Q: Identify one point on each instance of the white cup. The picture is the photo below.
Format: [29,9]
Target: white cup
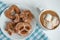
[41,11]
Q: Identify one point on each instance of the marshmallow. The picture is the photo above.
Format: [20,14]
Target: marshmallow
[48,17]
[49,25]
[55,21]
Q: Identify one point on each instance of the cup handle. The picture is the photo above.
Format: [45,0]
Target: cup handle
[40,10]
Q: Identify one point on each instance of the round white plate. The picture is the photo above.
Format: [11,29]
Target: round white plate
[4,19]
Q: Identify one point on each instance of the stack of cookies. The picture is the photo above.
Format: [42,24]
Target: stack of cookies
[20,21]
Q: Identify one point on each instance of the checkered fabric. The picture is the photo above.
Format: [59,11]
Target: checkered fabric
[38,33]
[2,36]
[3,6]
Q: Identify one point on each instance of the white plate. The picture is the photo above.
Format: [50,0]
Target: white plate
[4,19]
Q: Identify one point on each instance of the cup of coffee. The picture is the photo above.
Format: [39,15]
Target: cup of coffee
[49,19]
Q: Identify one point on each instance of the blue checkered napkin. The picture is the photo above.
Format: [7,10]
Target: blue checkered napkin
[38,34]
[3,6]
[2,36]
